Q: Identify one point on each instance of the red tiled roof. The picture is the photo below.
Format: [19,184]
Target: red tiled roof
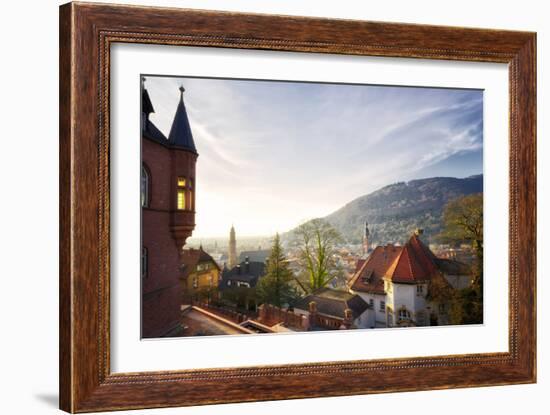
[407,264]
[359,264]
[369,276]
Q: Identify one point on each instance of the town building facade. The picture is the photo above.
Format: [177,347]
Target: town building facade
[396,281]
[329,309]
[167,215]
[201,276]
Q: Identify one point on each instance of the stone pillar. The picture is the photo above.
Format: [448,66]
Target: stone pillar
[261,312]
[348,319]
[312,313]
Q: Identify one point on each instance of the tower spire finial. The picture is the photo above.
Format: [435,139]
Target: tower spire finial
[182,90]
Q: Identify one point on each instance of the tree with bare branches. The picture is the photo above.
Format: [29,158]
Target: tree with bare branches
[317,241]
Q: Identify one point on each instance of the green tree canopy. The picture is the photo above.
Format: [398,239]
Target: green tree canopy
[317,241]
[463,222]
[275,287]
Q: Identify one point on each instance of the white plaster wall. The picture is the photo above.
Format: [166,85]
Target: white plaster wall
[403,295]
[378,317]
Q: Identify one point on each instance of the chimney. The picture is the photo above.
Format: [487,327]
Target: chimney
[247,264]
[418,231]
[239,269]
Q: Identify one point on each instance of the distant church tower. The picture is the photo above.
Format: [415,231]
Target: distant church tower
[366,239]
[232,248]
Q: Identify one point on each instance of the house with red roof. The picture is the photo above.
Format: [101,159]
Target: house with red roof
[396,282]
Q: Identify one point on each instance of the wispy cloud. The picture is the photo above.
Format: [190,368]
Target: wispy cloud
[274,153]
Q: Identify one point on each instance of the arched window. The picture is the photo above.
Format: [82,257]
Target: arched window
[145,186]
[404,314]
[144,263]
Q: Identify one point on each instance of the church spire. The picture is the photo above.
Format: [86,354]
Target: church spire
[180,134]
[232,248]
[366,242]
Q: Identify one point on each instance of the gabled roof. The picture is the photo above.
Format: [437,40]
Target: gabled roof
[259,255]
[245,272]
[151,132]
[369,277]
[411,263]
[180,134]
[190,258]
[334,303]
[359,264]
[148,129]
[415,263]
[146,104]
[453,267]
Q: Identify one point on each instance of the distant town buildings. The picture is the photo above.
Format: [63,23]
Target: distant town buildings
[187,292]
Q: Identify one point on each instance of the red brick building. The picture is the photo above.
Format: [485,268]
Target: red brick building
[167,216]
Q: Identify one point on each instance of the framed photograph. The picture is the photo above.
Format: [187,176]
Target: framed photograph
[259,207]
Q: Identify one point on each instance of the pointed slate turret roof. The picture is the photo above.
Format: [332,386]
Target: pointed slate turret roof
[180,134]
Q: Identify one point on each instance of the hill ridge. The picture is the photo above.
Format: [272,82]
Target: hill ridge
[395,210]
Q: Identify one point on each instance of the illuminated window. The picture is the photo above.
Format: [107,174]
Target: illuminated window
[144,187]
[181,199]
[191,205]
[185,194]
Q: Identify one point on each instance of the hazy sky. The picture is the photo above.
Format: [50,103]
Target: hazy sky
[273,154]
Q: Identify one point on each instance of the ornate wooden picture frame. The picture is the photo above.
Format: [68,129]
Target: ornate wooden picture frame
[87,32]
